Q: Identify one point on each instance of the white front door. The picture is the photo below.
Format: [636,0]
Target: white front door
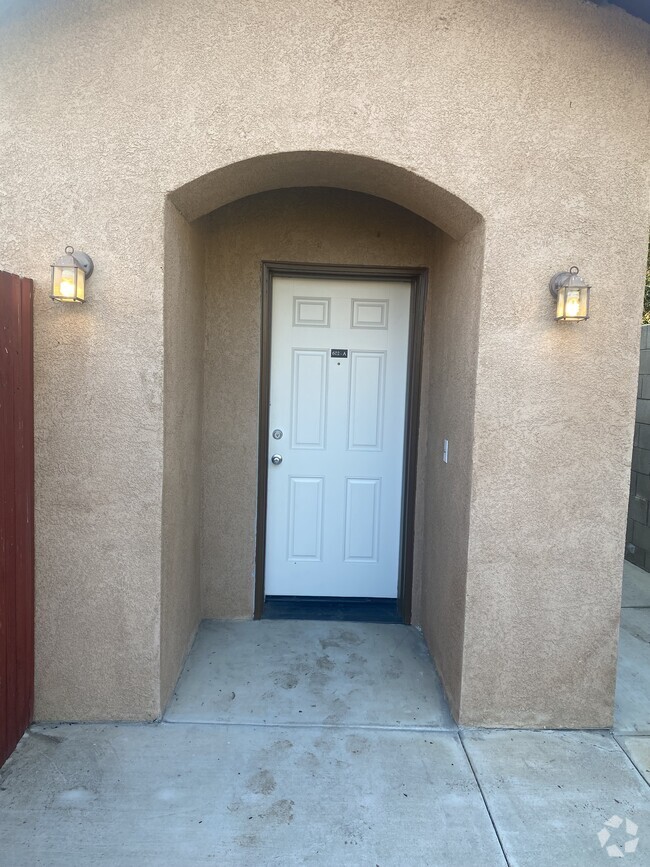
[339,355]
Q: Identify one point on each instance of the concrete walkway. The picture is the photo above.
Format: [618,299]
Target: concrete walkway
[633,676]
[293,742]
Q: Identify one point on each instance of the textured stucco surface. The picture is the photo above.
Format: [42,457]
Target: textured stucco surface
[183,413]
[306,225]
[445,488]
[317,169]
[468,99]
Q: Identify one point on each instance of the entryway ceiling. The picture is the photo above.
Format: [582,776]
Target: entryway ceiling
[640,8]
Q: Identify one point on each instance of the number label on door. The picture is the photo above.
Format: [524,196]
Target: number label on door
[339,353]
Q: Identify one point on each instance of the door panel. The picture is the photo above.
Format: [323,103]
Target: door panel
[308,399]
[305,519]
[339,354]
[362,505]
[366,400]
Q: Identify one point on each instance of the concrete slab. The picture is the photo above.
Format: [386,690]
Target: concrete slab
[638,749]
[636,587]
[301,672]
[550,793]
[632,713]
[138,795]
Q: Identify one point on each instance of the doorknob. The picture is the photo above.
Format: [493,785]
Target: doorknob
[276,459]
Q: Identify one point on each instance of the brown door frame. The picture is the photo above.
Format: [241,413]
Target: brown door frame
[418,277]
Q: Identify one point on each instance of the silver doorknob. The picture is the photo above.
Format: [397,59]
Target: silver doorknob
[276,459]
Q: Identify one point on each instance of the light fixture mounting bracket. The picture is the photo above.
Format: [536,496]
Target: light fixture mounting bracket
[83,260]
[558,280]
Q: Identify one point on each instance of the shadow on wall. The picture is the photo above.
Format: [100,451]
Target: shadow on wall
[637,538]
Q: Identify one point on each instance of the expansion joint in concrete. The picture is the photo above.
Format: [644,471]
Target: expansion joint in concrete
[621,745]
[485,802]
[314,725]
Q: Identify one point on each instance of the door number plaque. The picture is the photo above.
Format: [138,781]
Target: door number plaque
[339,353]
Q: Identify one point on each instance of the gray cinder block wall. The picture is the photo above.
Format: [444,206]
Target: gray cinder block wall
[637,541]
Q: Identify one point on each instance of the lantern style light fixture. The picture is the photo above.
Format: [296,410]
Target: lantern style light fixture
[69,275]
[572,295]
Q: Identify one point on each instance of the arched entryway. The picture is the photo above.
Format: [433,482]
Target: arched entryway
[315,208]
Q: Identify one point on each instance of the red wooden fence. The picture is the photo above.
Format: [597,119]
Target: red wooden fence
[16,511]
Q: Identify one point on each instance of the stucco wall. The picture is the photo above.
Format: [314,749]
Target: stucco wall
[468,98]
[446,493]
[553,430]
[183,413]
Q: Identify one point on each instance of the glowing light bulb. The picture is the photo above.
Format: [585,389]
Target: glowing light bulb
[66,288]
[572,305]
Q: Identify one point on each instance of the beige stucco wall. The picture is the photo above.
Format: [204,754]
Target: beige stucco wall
[182,472]
[445,495]
[467,98]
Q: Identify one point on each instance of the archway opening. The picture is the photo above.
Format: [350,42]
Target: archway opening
[335,209]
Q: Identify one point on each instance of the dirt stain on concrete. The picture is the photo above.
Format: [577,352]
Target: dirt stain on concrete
[309,762]
[325,663]
[285,679]
[280,812]
[262,783]
[247,841]
[356,744]
[348,637]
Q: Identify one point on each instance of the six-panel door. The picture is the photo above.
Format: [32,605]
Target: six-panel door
[339,351]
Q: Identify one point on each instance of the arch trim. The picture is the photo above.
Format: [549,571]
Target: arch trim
[361,174]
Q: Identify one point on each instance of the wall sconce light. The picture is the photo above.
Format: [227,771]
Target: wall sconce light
[572,295]
[69,275]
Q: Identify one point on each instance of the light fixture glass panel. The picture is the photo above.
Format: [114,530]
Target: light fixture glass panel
[81,285]
[572,305]
[68,283]
[67,288]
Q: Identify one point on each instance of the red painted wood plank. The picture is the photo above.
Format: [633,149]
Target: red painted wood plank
[4,325]
[7,308]
[24,518]
[5,494]
[12,548]
[19,530]
[27,288]
[16,511]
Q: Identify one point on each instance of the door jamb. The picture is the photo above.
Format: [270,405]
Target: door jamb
[418,277]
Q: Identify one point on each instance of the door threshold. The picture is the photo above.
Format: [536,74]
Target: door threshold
[359,609]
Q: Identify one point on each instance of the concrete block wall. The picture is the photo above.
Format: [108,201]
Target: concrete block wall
[637,541]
